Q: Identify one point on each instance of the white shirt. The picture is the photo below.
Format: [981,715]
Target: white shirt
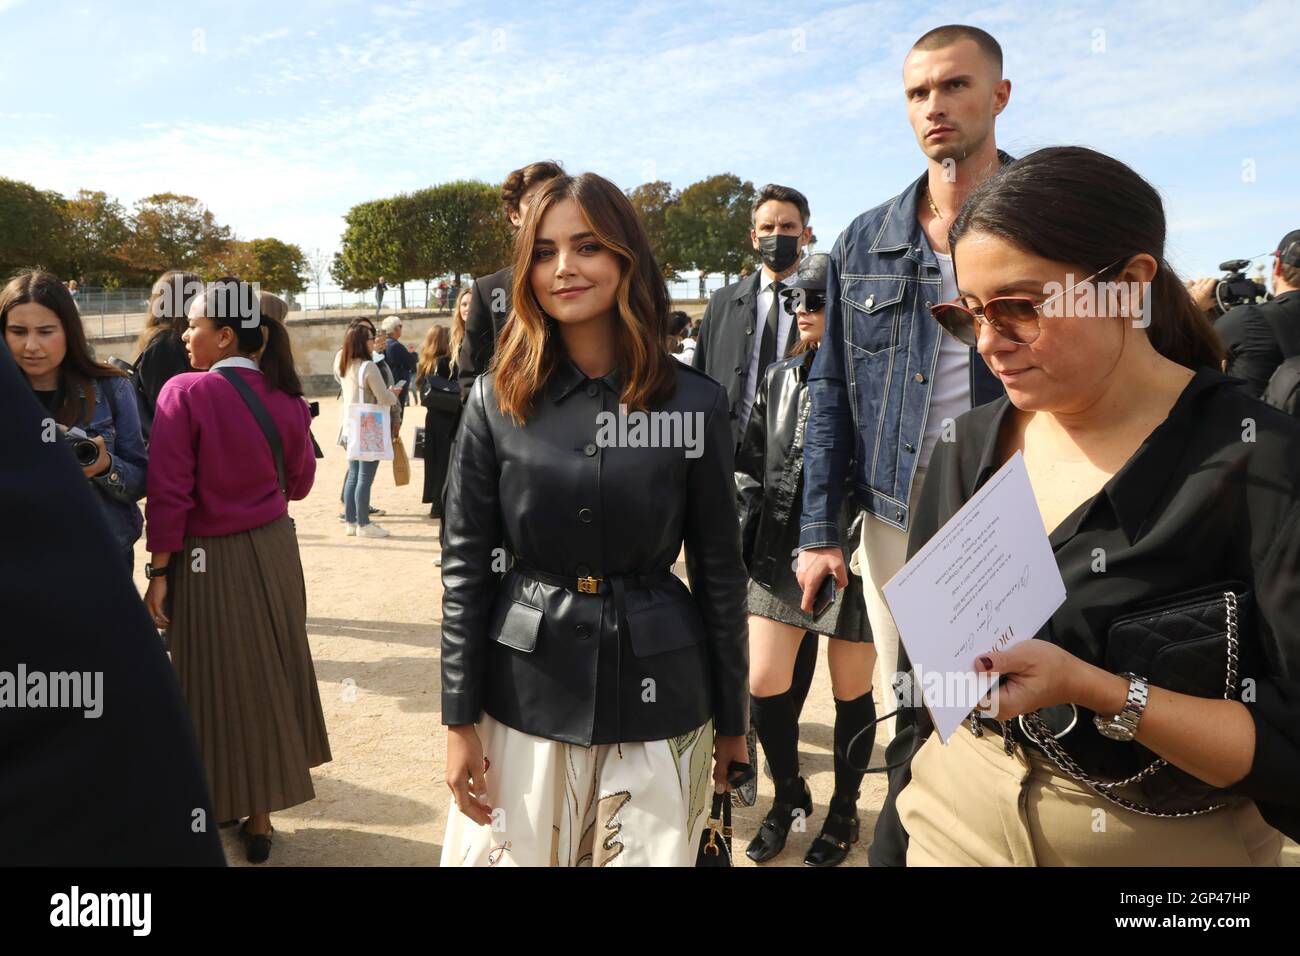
[235,361]
[783,321]
[950,390]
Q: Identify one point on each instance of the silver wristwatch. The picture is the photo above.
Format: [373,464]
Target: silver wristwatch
[1124,725]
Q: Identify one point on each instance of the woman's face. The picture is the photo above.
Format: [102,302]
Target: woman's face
[574,277]
[811,324]
[1081,337]
[206,343]
[36,338]
[462,307]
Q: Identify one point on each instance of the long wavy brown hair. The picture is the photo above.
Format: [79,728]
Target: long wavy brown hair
[531,347]
[79,373]
[169,303]
[437,343]
[458,327]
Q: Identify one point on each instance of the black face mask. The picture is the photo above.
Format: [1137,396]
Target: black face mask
[779,252]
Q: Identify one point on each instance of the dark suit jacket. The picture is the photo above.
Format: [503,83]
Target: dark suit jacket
[489,307]
[727,342]
[121,789]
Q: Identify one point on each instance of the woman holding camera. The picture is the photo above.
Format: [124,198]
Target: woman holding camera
[1161,700]
[92,407]
[230,450]
[769,483]
[583,691]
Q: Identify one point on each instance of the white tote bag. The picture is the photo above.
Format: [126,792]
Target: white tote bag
[370,431]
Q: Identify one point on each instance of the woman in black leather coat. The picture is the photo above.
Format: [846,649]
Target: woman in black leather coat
[769,483]
[584,688]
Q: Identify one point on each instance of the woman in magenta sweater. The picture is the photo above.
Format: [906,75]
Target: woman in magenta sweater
[226,578]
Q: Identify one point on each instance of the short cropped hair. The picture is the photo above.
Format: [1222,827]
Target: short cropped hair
[940,37]
[523,179]
[780,194]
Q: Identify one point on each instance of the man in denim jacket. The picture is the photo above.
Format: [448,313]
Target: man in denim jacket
[887,383]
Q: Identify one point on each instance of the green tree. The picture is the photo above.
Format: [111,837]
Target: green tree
[279,266]
[652,201]
[468,233]
[33,229]
[372,245]
[175,232]
[98,230]
[710,224]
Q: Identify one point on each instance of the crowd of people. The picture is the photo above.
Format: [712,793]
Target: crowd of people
[833,411]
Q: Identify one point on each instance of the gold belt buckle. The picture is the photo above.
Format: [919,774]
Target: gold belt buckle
[589,585]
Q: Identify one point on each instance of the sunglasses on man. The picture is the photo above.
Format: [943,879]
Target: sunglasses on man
[1014,317]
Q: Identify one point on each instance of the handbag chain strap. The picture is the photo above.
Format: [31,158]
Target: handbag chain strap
[1043,737]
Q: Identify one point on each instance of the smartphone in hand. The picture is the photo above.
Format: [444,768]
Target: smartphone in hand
[825,596]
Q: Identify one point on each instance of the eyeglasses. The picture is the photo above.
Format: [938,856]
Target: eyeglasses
[1013,317]
[803,300]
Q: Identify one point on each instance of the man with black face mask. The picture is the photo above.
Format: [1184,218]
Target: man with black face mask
[744,328]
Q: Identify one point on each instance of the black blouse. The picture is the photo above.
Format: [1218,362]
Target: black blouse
[1210,498]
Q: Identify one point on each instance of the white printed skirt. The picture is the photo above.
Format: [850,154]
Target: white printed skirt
[557,804]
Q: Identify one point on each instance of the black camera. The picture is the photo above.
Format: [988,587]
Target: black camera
[83,449]
[1235,288]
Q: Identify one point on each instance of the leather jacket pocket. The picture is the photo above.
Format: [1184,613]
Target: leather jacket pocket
[520,627]
[659,621]
[871,313]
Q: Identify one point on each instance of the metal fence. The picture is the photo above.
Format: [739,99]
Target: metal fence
[108,313]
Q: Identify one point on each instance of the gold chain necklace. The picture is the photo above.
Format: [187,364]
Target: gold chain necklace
[933,208]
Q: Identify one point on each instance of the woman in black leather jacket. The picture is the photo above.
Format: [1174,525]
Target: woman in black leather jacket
[584,688]
[769,483]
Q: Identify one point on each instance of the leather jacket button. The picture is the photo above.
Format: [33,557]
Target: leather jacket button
[582,631]
[593,389]
[589,450]
[749,331]
[918,377]
[584,515]
[739,370]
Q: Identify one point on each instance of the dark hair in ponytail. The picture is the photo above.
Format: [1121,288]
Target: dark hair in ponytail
[276,361]
[1072,204]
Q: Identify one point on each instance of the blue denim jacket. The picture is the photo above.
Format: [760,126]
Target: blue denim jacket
[870,382]
[123,484]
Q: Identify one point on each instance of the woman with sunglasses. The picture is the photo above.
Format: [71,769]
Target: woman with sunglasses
[769,485]
[1152,720]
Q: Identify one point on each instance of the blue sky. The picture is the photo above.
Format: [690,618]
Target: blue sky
[280,116]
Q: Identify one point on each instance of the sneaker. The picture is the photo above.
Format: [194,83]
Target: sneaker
[371,530]
[352,531]
[377,512]
[342,516]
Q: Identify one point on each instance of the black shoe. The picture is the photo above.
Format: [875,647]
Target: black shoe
[257,846]
[227,824]
[792,796]
[839,832]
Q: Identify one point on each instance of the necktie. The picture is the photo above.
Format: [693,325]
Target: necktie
[767,347]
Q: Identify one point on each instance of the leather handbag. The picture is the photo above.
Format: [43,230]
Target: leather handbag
[715,841]
[440,394]
[1188,643]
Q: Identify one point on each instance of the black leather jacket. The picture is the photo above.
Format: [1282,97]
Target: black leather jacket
[534,651]
[769,474]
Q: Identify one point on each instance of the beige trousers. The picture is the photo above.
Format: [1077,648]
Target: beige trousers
[880,554]
[970,804]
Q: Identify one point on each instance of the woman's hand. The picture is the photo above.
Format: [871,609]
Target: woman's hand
[155,597]
[814,565]
[1037,674]
[727,750]
[100,464]
[467,773]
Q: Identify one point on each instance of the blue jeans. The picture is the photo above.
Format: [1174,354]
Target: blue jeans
[356,491]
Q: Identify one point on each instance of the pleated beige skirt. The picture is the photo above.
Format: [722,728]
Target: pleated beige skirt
[238,640]
[970,804]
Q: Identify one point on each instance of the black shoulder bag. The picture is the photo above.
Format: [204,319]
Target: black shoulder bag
[264,421]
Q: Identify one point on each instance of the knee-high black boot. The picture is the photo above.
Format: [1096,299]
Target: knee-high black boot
[778,732]
[855,735]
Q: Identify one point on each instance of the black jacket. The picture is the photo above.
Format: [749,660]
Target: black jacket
[727,343]
[553,662]
[126,787]
[163,358]
[769,473]
[489,307]
[1260,337]
[1194,507]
